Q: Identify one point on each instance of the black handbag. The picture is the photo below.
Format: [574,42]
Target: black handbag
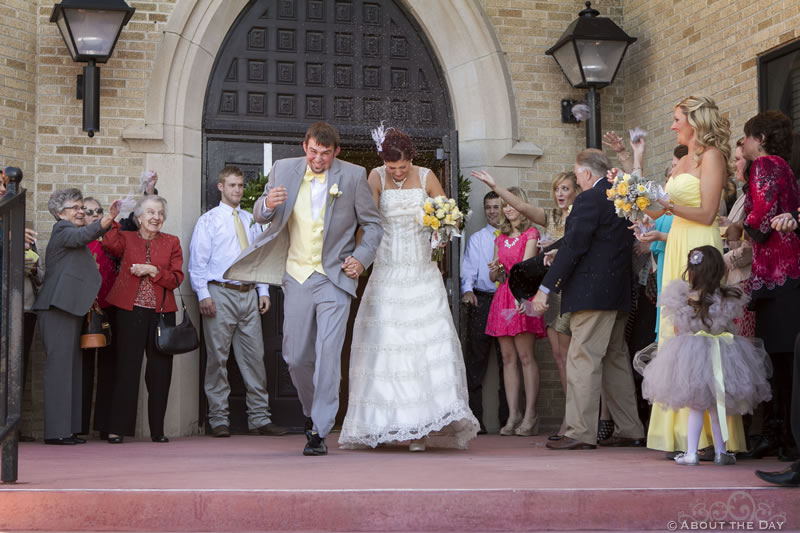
[526,276]
[173,340]
[96,330]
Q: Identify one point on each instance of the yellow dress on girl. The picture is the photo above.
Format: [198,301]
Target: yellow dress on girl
[668,428]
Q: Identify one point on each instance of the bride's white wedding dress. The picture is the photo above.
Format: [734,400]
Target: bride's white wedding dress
[407,375]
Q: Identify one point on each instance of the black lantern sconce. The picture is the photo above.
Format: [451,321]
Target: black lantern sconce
[589,54]
[90,29]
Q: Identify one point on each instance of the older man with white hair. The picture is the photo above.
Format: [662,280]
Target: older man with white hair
[592,270]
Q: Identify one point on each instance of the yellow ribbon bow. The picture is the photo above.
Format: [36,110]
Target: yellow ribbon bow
[719,378]
[309,175]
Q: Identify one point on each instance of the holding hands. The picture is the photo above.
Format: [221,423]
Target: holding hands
[352,267]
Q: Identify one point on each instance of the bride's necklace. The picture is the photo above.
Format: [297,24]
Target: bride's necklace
[400,183]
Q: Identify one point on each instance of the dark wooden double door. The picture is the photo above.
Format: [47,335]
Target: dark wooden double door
[285,405]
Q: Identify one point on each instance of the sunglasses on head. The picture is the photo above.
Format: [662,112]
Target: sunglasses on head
[92,212]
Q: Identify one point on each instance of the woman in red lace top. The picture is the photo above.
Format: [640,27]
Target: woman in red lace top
[775,278]
[151,269]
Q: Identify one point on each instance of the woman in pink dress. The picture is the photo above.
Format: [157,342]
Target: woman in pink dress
[515,332]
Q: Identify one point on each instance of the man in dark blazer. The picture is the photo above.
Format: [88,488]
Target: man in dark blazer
[592,270]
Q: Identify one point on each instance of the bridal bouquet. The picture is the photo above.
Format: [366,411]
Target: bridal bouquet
[442,217]
[631,195]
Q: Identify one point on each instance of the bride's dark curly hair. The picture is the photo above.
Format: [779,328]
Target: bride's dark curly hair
[397,146]
[705,269]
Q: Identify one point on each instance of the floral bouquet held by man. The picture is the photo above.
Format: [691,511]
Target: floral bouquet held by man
[442,217]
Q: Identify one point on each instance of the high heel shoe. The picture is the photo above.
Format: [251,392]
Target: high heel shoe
[417,445]
[528,427]
[510,427]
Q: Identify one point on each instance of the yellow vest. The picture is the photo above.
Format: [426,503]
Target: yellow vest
[305,237]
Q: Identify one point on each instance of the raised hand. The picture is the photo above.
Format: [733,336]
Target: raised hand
[613,141]
[276,196]
[485,177]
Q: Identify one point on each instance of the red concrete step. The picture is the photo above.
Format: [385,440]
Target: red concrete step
[265,484]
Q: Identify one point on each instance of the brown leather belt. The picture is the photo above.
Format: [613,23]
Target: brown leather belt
[245,287]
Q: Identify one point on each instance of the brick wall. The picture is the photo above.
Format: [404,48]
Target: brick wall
[698,48]
[101,166]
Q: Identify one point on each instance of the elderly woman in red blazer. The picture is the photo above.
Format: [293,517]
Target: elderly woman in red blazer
[151,269]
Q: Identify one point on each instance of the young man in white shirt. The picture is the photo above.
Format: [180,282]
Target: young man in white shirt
[477,292]
[230,309]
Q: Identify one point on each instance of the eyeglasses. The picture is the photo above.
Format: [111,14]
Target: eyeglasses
[93,212]
[78,207]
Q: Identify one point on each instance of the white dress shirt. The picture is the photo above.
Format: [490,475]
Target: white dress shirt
[475,265]
[215,247]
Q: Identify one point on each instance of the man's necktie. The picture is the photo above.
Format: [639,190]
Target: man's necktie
[241,235]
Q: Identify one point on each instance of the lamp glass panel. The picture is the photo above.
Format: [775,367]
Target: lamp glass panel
[600,58]
[95,30]
[64,29]
[568,61]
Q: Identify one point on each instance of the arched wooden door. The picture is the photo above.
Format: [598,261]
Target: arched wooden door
[288,63]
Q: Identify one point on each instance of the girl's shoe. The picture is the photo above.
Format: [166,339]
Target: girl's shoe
[724,459]
[417,445]
[687,459]
[510,426]
[528,427]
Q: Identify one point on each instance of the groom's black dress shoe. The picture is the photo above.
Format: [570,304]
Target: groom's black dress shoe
[315,445]
[785,478]
[77,439]
[66,441]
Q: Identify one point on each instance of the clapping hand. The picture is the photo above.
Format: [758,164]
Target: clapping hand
[549,257]
[784,222]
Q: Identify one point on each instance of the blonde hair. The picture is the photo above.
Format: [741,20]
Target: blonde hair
[524,222]
[710,127]
[565,176]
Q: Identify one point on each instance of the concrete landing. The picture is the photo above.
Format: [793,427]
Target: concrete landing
[249,483]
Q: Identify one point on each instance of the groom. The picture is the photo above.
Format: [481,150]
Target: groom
[314,205]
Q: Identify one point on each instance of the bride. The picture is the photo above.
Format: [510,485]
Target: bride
[407,376]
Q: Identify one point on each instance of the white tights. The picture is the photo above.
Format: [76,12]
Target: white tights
[696,426]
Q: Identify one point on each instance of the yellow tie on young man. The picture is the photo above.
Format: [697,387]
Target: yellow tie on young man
[241,235]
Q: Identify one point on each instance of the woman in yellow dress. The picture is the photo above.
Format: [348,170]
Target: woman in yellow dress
[694,192]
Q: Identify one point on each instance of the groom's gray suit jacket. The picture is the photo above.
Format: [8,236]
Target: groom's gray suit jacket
[264,261]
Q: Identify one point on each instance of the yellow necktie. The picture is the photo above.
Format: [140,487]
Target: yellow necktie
[241,235]
[309,175]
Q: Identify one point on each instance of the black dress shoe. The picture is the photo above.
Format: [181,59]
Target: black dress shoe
[618,442]
[315,445]
[162,438]
[786,454]
[309,425]
[766,446]
[115,440]
[77,439]
[269,429]
[568,443]
[66,441]
[785,478]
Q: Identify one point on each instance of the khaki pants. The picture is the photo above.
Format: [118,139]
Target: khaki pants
[598,360]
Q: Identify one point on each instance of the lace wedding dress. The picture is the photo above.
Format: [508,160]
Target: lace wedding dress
[407,375]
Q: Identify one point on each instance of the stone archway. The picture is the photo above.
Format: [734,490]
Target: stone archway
[171,134]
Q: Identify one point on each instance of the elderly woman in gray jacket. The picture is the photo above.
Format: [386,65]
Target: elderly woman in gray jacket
[70,286]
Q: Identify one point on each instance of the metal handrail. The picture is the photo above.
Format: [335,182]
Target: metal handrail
[12,263]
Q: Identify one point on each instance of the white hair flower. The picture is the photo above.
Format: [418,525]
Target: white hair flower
[696,257]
